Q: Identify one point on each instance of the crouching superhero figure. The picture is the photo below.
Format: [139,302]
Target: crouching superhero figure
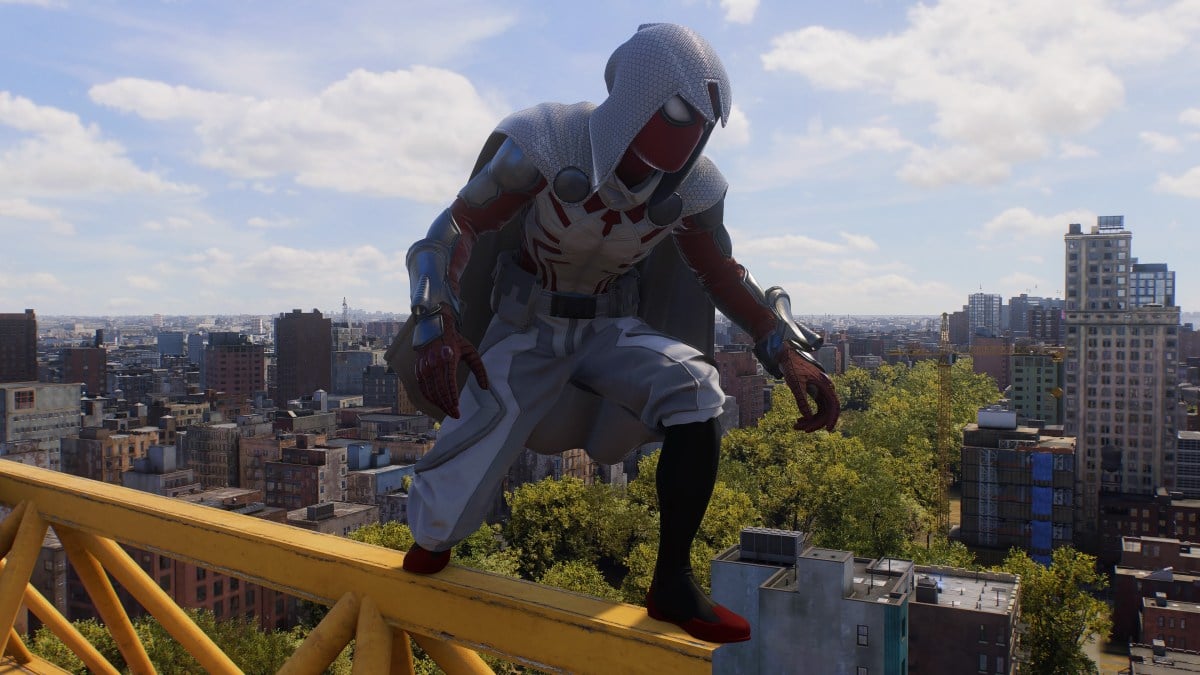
[592,329]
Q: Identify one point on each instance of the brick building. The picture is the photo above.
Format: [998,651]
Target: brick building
[255,451]
[306,475]
[993,356]
[18,347]
[88,366]
[1149,566]
[1017,488]
[303,355]
[1165,515]
[1176,623]
[740,380]
[234,366]
[102,454]
[212,450]
[381,387]
[963,621]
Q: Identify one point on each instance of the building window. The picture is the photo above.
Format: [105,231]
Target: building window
[201,573]
[983,663]
[862,670]
[862,635]
[201,593]
[23,399]
[1000,664]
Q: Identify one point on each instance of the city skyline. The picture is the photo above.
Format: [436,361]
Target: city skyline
[884,159]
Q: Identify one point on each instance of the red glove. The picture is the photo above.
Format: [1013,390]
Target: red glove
[806,379]
[437,366]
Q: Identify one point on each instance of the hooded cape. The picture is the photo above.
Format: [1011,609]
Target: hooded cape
[659,61]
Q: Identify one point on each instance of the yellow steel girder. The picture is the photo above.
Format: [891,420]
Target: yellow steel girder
[520,621]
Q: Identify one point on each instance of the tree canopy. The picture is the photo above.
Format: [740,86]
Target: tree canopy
[254,651]
[1063,614]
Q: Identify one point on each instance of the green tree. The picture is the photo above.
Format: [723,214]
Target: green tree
[1062,613]
[841,491]
[482,550]
[47,645]
[253,651]
[391,535]
[941,551]
[581,577]
[855,388]
[555,521]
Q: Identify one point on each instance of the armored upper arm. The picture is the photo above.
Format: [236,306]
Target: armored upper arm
[497,192]
[508,172]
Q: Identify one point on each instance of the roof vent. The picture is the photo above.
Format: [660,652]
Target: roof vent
[320,511]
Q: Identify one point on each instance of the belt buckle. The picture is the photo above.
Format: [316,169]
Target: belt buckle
[573,306]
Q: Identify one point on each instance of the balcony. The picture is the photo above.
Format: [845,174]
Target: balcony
[452,615]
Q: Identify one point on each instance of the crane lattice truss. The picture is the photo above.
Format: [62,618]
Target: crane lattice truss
[945,437]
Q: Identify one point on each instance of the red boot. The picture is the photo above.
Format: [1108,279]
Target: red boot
[421,561]
[721,626]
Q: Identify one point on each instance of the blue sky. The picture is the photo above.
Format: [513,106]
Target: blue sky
[884,157]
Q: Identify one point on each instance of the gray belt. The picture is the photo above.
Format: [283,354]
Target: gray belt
[514,285]
[573,305]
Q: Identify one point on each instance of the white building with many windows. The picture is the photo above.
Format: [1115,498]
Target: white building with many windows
[1121,400]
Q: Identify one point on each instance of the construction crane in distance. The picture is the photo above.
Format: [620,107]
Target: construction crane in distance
[945,424]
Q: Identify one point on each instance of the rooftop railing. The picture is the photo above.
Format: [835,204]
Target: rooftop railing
[452,615]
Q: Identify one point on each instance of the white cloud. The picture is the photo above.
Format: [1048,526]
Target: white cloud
[1160,142]
[170,223]
[285,267]
[25,211]
[859,242]
[890,293]
[1068,150]
[739,11]
[735,134]
[1190,116]
[798,244]
[799,155]
[1003,77]
[256,51]
[1019,223]
[1017,283]
[143,282]
[57,155]
[260,223]
[404,133]
[1186,185]
[38,282]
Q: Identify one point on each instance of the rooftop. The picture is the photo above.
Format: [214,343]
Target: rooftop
[1189,607]
[994,593]
[885,580]
[340,509]
[1170,661]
